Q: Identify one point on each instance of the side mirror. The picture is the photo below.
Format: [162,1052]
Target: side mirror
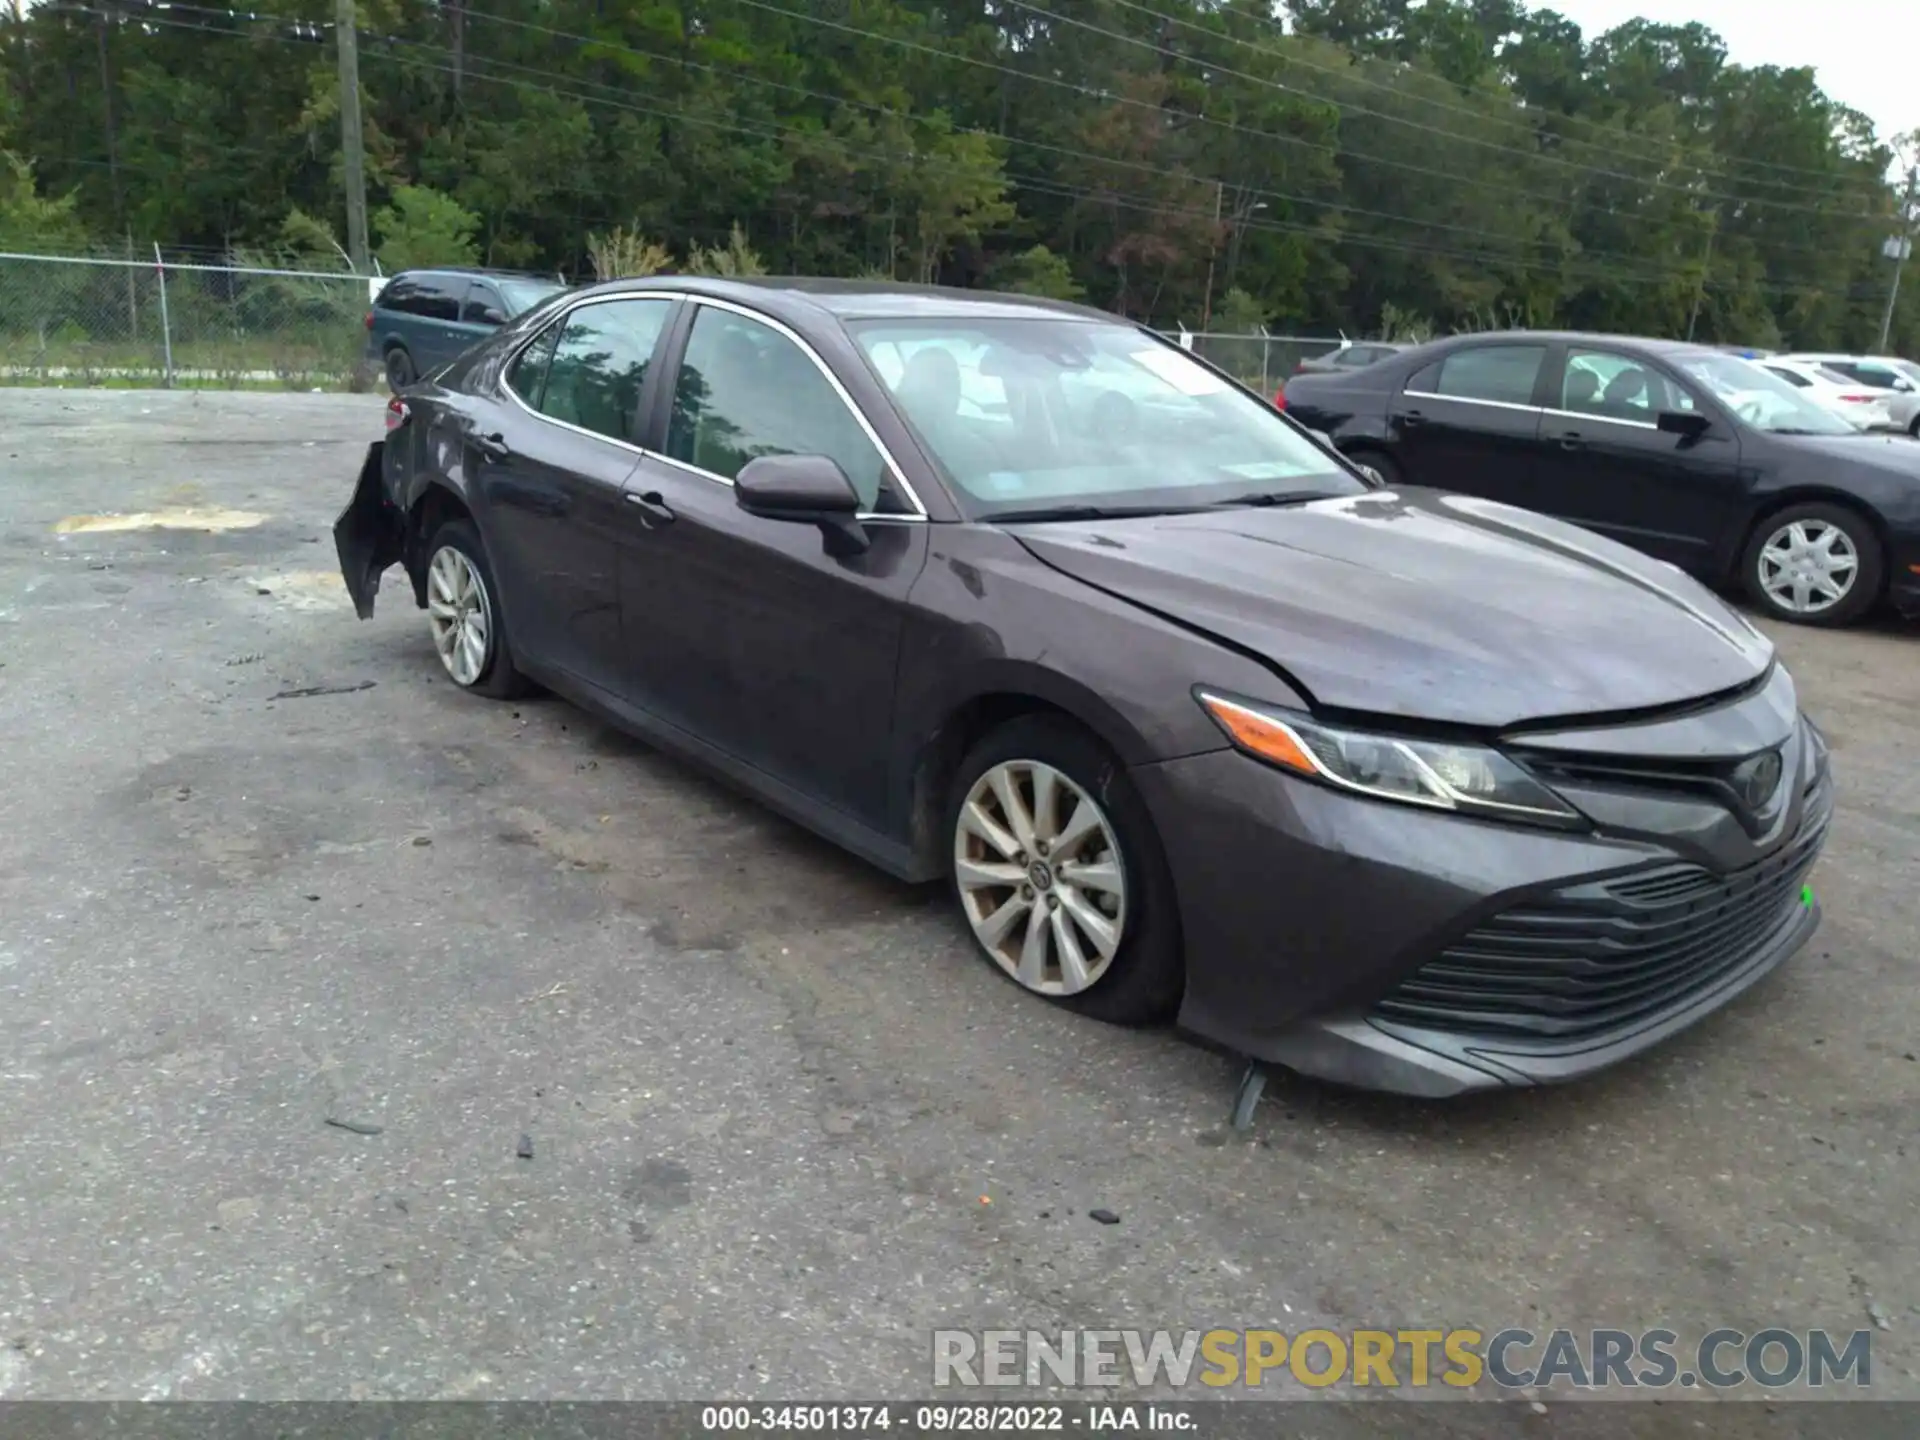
[1688,424]
[810,489]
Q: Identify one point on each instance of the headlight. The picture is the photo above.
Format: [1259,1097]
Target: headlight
[1471,779]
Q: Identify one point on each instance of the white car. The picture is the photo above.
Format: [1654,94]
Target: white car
[1866,407]
[1889,372]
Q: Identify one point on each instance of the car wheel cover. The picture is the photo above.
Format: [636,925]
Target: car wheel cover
[1808,566]
[461,614]
[1041,877]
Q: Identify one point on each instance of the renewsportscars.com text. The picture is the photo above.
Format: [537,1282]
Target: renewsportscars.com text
[1654,1359]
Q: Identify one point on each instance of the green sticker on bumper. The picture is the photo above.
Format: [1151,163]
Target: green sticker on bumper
[1806,896]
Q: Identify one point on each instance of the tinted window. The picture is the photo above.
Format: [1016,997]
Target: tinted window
[599,363]
[1792,377]
[745,390]
[1492,372]
[528,375]
[425,296]
[1426,381]
[482,306]
[1866,372]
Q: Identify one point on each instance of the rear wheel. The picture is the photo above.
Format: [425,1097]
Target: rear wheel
[464,615]
[1060,875]
[1814,564]
[1377,466]
[400,371]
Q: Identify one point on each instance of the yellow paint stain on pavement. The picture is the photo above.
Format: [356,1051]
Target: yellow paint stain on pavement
[213,519]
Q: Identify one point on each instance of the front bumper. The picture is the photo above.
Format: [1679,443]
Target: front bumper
[1320,928]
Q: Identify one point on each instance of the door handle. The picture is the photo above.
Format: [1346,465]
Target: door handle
[493,446]
[1572,441]
[652,505]
[1411,418]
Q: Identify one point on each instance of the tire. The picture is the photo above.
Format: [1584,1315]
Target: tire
[1815,520]
[456,552]
[1384,466]
[400,371]
[1141,980]
[1914,428]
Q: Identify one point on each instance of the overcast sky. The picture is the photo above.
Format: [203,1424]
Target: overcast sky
[1865,53]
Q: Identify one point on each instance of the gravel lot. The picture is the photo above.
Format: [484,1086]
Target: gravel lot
[769,1091]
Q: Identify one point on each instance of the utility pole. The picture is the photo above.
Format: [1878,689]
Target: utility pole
[1706,264]
[352,143]
[1213,249]
[1901,245]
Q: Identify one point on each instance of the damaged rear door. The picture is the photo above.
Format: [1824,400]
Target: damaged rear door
[369,535]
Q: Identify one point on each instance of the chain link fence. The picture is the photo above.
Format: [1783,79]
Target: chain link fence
[68,320]
[1258,359]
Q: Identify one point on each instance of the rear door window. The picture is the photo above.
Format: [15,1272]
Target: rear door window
[1505,374]
[428,296]
[599,364]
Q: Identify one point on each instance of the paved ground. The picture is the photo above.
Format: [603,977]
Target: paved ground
[769,1092]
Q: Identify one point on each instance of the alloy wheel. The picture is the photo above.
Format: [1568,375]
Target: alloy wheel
[1040,877]
[460,613]
[1808,566]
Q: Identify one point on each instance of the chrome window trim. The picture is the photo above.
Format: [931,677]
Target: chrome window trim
[560,317]
[1469,400]
[860,419]
[1603,419]
[864,516]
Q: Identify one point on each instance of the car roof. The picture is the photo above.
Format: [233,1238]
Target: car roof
[793,297]
[472,272]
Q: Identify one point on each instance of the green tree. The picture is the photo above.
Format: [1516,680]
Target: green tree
[424,227]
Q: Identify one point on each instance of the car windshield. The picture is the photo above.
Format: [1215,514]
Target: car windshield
[1057,414]
[523,295]
[1761,398]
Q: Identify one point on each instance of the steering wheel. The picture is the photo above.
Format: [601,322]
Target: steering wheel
[1751,410]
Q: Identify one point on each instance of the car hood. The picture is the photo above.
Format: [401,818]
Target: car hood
[1409,603]
[1894,454]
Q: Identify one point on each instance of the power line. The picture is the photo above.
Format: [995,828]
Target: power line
[1041,185]
[1529,155]
[1527,120]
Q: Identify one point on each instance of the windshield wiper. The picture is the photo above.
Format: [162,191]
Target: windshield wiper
[1277,497]
[1085,512]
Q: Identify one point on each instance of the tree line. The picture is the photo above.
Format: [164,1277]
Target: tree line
[1379,166]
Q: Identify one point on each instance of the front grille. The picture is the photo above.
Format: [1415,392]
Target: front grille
[1592,958]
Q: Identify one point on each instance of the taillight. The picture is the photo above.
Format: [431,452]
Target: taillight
[1280,398]
[1858,399]
[369,319]
[396,414]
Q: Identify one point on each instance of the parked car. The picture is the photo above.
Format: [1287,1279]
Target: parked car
[1865,407]
[1352,355]
[423,318]
[1885,372]
[1900,377]
[1694,456]
[1407,789]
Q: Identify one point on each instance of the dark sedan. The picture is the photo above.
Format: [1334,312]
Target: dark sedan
[1692,455]
[1412,790]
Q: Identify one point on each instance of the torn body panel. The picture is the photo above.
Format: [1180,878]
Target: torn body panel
[370,534]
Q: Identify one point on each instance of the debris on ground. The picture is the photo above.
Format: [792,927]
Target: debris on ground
[525,1148]
[357,1127]
[1877,1313]
[1105,1217]
[311,690]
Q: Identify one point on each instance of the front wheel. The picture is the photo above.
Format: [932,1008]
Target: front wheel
[1060,875]
[1814,564]
[1379,468]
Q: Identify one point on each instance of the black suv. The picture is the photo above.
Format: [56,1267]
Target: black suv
[423,318]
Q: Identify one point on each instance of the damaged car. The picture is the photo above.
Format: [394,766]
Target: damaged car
[1410,790]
